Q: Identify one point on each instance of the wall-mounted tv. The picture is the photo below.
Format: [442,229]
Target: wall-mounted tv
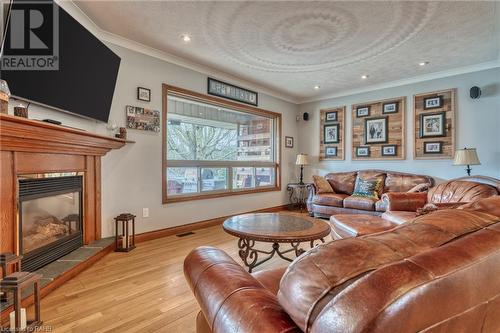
[84,70]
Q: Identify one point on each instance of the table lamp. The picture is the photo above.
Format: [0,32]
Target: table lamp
[301,160]
[466,156]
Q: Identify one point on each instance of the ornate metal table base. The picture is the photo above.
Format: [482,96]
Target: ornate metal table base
[250,255]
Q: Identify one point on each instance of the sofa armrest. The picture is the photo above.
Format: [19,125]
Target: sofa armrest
[406,201]
[230,298]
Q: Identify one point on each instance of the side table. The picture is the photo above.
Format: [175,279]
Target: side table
[298,195]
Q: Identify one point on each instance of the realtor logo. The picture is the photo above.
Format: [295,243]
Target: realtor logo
[31,37]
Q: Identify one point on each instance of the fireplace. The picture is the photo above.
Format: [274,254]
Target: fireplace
[50,217]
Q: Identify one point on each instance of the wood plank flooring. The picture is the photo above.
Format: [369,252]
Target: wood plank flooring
[140,291]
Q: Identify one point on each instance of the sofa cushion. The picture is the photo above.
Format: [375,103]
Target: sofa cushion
[353,225]
[399,216]
[270,278]
[489,205]
[329,199]
[322,185]
[342,182]
[368,188]
[403,182]
[374,174]
[460,191]
[362,203]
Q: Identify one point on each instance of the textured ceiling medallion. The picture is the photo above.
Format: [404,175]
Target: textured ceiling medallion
[324,35]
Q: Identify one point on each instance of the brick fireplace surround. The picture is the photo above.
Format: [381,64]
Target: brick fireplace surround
[32,147]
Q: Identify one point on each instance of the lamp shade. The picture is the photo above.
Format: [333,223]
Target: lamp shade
[302,159]
[466,156]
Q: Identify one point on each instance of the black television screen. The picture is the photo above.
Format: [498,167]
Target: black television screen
[85,79]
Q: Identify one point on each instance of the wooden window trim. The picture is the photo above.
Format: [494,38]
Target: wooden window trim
[181,92]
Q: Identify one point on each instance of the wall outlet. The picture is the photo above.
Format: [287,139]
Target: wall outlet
[145,212]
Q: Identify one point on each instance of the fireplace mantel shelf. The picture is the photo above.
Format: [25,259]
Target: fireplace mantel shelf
[21,134]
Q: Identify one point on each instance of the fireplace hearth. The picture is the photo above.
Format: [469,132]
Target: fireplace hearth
[50,217]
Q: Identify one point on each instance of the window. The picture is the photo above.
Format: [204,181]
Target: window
[213,147]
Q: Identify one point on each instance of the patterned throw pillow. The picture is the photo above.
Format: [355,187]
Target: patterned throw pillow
[367,188]
[322,185]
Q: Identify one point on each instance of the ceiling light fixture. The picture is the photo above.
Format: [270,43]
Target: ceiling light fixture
[364,77]
[423,63]
[186,38]
[316,87]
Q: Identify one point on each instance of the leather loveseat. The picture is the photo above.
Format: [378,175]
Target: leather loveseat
[343,202]
[437,273]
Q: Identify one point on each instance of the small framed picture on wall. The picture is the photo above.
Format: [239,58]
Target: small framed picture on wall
[376,130]
[391,107]
[144,94]
[435,147]
[288,141]
[362,151]
[389,150]
[362,111]
[331,116]
[330,152]
[331,133]
[433,102]
[432,124]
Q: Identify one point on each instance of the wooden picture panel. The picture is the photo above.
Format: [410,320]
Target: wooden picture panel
[443,145]
[337,146]
[393,147]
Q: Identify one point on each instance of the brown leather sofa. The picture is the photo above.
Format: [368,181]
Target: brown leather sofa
[402,207]
[342,202]
[437,273]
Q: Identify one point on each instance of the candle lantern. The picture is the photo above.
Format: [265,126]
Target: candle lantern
[21,110]
[124,237]
[15,283]
[7,260]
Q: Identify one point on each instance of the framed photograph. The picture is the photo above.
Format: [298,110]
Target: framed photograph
[433,147]
[433,102]
[331,133]
[362,151]
[330,152]
[232,92]
[288,142]
[391,107]
[432,124]
[144,94]
[362,111]
[331,116]
[389,150]
[376,130]
[142,118]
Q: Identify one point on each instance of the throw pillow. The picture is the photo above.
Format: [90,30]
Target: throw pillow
[367,188]
[322,185]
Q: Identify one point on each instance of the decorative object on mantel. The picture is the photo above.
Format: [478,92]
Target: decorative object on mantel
[122,133]
[15,283]
[8,260]
[21,110]
[144,94]
[4,97]
[331,138]
[301,160]
[468,157]
[378,129]
[434,115]
[127,238]
[143,119]
[288,141]
[232,92]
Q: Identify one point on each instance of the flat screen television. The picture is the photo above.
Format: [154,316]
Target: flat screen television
[85,80]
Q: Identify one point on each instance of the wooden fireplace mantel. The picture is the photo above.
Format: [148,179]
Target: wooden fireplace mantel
[32,146]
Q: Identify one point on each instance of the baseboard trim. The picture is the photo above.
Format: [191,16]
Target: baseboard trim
[155,234]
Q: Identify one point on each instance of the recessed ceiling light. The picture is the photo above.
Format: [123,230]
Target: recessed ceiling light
[423,63]
[186,38]
[316,87]
[364,77]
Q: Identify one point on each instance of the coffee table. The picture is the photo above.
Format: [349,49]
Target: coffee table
[276,229]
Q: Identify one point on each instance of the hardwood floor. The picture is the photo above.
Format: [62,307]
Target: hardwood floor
[140,291]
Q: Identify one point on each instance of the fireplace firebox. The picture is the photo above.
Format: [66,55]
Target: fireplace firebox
[50,218]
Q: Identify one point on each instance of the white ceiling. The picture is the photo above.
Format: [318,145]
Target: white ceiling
[290,47]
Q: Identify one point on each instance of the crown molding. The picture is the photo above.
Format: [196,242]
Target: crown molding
[79,15]
[402,82]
